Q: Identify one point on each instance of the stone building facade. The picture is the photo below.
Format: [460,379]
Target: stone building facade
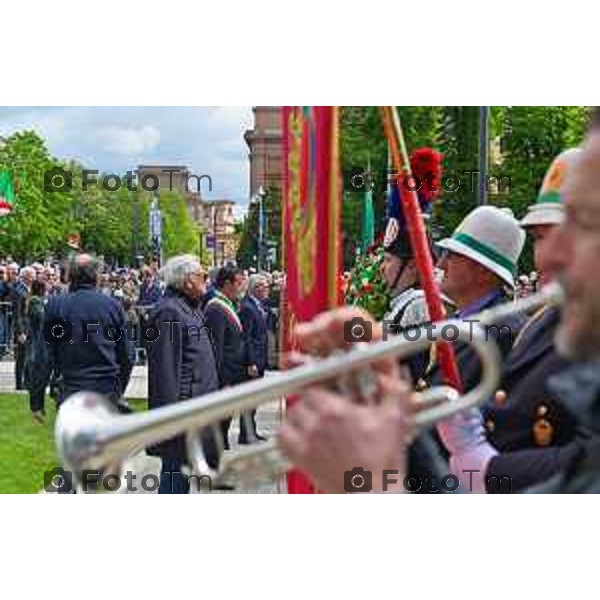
[215,217]
[265,147]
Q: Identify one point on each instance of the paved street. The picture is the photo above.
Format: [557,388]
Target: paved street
[268,418]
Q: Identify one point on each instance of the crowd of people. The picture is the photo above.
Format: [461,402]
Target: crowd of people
[35,296]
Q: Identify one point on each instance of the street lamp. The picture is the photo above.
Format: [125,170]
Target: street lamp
[156,228]
[135,229]
[214,235]
[262,194]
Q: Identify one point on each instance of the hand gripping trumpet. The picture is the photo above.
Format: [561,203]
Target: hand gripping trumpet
[91,435]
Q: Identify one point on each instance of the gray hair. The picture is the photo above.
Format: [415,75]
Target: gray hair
[254,281]
[178,269]
[27,270]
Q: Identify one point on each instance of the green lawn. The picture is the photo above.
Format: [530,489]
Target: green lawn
[27,449]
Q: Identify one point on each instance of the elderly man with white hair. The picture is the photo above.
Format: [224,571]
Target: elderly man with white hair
[181,361]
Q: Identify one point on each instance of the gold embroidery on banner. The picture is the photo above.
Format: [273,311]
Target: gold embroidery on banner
[302,218]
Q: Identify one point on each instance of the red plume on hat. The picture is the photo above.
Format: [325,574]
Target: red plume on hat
[426,167]
[426,164]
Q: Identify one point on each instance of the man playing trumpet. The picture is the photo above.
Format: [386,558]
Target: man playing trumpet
[326,434]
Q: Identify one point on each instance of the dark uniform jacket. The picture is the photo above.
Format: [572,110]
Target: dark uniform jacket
[101,364]
[254,324]
[525,422]
[228,342]
[181,362]
[579,388]
[503,333]
[427,453]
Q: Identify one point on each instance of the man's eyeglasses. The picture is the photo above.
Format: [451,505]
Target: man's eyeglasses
[202,276]
[447,255]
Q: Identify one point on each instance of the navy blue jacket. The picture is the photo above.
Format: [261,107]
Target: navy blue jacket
[254,322]
[101,364]
[421,462]
[578,388]
[181,362]
[533,430]
[503,333]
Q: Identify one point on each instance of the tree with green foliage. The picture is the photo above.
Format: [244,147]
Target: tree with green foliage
[114,224]
[180,234]
[39,219]
[248,231]
[527,139]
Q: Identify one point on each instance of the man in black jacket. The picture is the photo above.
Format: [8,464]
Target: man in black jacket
[87,336]
[181,362]
[223,322]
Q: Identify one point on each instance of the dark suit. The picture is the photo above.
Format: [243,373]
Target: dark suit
[254,323]
[531,429]
[228,342]
[93,362]
[181,365]
[230,353]
[256,341]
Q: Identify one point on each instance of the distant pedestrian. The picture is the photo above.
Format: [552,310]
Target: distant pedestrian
[37,360]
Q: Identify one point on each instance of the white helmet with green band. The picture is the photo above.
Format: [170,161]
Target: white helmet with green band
[492,237]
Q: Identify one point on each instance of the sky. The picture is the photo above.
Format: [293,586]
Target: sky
[115,139]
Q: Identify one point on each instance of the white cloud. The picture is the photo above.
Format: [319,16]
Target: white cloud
[129,142]
[114,139]
[50,125]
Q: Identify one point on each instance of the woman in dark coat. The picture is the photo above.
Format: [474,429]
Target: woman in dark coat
[37,363]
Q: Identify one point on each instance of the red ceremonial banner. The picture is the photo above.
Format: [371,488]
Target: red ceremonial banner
[311,225]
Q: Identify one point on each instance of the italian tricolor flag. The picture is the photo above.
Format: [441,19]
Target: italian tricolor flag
[7,193]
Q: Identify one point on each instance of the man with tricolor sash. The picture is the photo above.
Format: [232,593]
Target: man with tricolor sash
[223,322]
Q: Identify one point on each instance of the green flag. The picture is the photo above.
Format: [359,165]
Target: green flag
[368,222]
[7,193]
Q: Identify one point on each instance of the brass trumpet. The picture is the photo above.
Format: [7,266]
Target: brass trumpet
[90,435]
